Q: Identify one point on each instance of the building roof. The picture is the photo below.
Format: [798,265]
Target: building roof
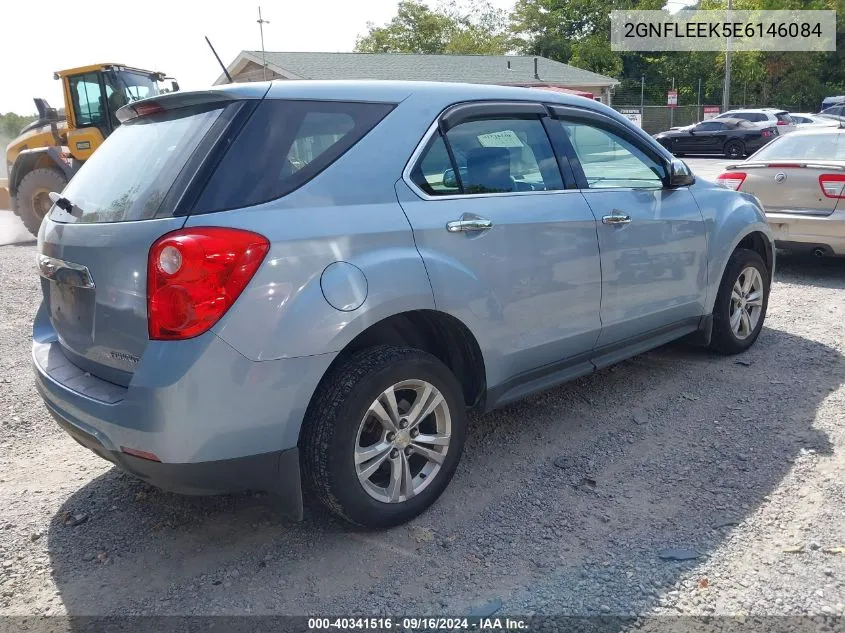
[486,69]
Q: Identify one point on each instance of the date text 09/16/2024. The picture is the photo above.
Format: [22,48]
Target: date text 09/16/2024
[418,624]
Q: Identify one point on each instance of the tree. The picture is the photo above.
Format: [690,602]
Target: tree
[11,124]
[468,28]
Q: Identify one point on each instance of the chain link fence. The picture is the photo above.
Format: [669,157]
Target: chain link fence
[647,103]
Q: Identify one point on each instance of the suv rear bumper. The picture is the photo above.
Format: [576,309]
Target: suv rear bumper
[217,421]
[276,472]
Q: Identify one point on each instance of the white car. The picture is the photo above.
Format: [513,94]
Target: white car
[773,116]
[805,119]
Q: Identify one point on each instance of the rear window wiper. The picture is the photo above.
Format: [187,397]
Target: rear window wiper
[65,205]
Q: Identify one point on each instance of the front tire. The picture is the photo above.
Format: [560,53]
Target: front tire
[383,436]
[32,201]
[741,303]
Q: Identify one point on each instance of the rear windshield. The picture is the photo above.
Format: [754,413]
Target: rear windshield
[283,145]
[801,146]
[784,117]
[128,177]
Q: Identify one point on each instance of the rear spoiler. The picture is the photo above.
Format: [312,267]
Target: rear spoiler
[176,100]
[786,164]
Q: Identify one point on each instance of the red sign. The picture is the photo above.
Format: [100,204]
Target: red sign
[711,111]
[672,99]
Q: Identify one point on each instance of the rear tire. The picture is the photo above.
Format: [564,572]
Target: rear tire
[734,333]
[734,150]
[31,203]
[342,439]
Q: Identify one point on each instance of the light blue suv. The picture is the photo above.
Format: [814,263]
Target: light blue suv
[308,284]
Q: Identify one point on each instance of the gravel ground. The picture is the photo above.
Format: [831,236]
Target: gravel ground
[563,504]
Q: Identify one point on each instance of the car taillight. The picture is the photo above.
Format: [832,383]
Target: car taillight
[782,123]
[833,185]
[731,179]
[195,275]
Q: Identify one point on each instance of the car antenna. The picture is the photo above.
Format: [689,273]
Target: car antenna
[225,71]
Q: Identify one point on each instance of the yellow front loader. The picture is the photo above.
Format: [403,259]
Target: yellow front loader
[47,153]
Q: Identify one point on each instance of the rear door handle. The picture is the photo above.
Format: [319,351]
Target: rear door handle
[617,217]
[475,224]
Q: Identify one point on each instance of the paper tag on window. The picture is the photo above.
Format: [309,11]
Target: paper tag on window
[505,138]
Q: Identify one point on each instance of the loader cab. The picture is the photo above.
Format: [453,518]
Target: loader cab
[93,95]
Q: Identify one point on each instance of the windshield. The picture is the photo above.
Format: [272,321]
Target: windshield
[129,176]
[123,87]
[804,146]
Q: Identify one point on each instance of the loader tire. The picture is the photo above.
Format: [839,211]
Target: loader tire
[32,202]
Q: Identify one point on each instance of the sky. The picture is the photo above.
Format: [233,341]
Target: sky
[165,35]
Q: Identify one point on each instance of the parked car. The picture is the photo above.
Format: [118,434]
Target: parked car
[800,179]
[733,138]
[803,119]
[827,102]
[218,318]
[837,112]
[772,116]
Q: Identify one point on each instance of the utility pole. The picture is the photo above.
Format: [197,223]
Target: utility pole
[726,93]
[698,114]
[672,110]
[261,23]
[642,98]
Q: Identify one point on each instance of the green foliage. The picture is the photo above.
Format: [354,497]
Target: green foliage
[577,32]
[11,124]
[466,28]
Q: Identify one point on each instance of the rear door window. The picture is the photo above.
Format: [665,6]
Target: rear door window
[129,176]
[284,145]
[495,155]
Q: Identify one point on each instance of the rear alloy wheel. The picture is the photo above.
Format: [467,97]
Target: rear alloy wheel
[384,435]
[32,200]
[741,303]
[734,149]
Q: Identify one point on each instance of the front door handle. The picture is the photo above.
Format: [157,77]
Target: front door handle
[617,217]
[475,224]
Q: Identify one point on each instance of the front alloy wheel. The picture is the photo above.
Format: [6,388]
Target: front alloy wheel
[746,303]
[740,306]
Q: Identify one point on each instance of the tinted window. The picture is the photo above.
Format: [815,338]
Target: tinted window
[800,119]
[709,126]
[88,101]
[282,146]
[783,116]
[128,177]
[609,160]
[434,172]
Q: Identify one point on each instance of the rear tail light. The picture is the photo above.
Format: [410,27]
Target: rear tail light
[782,123]
[195,275]
[833,185]
[732,179]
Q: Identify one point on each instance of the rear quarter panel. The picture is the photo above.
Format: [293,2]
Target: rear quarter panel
[348,213]
[729,217]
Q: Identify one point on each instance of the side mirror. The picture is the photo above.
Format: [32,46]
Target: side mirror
[679,174]
[449,179]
